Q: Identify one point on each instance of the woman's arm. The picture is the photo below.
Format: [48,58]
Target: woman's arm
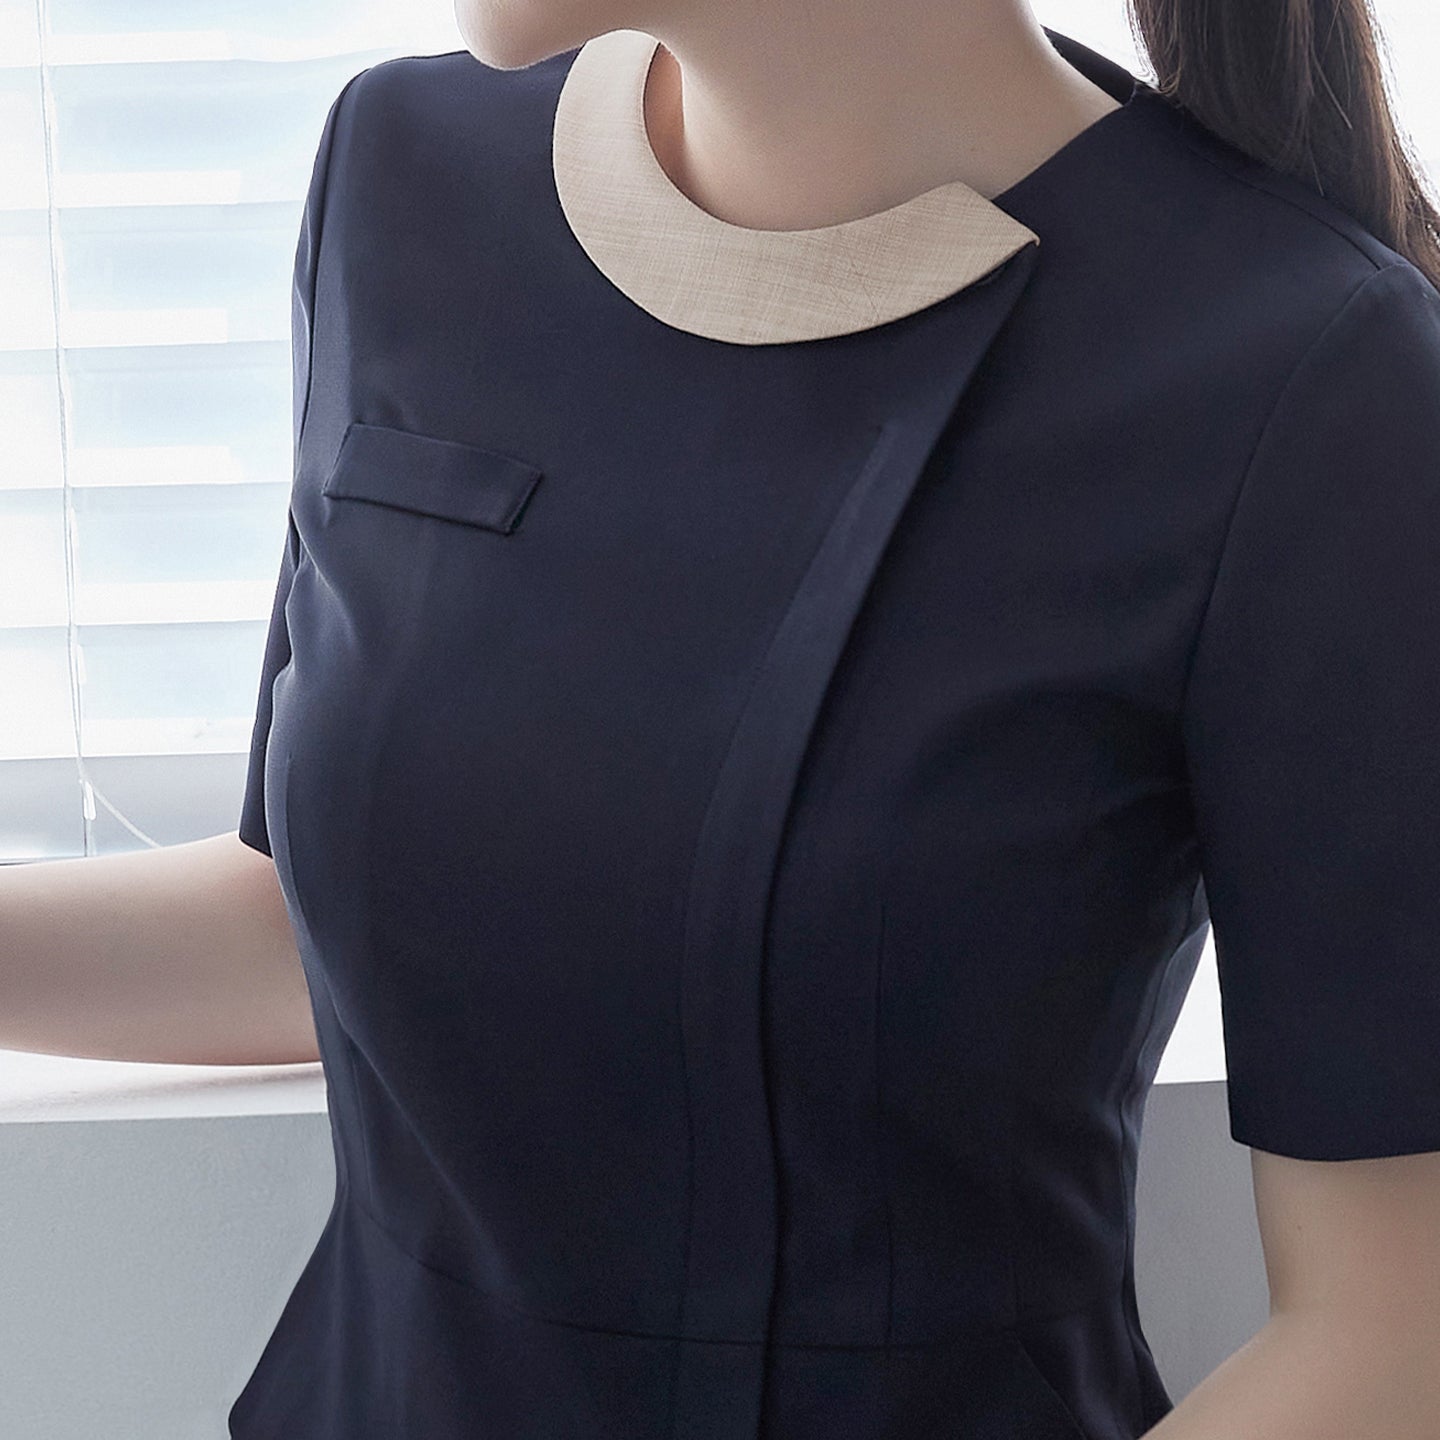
[1352,1347]
[182,954]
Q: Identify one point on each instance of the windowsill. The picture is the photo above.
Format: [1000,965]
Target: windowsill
[62,1087]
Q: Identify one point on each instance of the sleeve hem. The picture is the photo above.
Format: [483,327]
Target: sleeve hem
[1333,1139]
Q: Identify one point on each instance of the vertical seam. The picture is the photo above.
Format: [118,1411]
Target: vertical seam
[741,711]
[1013,1187]
[679,1325]
[1126,1190]
[880,1137]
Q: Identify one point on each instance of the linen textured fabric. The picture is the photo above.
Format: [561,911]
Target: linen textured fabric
[728,282]
[751,810]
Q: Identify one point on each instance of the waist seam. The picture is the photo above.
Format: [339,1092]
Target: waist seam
[384,1231]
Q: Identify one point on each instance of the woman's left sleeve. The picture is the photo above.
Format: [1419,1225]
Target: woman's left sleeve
[252,827]
[1311,726]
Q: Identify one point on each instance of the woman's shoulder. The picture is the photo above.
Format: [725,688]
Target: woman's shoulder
[433,98]
[435,141]
[1249,227]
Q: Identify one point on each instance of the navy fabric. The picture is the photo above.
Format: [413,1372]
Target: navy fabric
[750,814]
[431,477]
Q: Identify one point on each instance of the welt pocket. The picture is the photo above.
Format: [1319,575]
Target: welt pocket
[447,479]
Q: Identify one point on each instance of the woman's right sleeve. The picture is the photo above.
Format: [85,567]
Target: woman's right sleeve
[1312,740]
[252,827]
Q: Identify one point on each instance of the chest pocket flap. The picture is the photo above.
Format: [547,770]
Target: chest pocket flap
[429,476]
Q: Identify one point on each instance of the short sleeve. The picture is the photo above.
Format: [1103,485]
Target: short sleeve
[252,827]
[1311,725]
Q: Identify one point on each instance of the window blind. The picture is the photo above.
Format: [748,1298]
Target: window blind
[154,158]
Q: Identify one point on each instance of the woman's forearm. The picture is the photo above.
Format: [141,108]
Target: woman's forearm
[182,954]
[1320,1375]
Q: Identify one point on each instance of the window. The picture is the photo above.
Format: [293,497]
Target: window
[154,157]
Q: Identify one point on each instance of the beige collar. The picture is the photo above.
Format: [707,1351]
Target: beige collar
[699,273]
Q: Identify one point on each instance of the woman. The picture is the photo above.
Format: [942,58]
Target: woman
[827,544]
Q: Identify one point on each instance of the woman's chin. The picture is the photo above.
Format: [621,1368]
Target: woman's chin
[510,37]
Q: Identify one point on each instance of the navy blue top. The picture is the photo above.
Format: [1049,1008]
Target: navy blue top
[750,814]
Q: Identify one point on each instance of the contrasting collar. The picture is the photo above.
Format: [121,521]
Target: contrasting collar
[707,276]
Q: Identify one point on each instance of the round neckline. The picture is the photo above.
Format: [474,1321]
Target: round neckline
[699,273]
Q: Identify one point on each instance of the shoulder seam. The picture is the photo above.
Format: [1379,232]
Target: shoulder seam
[1285,388]
[1195,148]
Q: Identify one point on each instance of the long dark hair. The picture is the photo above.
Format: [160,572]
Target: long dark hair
[1299,85]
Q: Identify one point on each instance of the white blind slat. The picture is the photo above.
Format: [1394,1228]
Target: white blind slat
[154,158]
